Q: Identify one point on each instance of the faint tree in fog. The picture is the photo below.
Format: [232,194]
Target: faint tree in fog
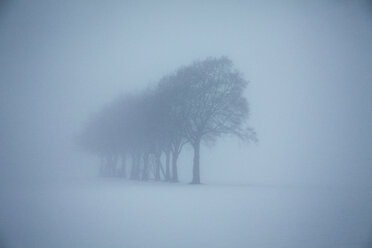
[171,106]
[213,104]
[154,133]
[100,138]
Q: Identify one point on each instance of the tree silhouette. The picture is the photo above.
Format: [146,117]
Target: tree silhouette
[198,102]
[213,104]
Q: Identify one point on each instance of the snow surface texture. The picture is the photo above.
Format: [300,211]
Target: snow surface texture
[115,213]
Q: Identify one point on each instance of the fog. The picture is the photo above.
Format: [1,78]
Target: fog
[307,182]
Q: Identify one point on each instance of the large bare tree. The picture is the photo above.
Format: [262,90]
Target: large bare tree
[213,104]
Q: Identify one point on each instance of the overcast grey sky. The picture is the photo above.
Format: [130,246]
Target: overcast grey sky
[309,64]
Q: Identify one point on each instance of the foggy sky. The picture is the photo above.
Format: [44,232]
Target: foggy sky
[309,64]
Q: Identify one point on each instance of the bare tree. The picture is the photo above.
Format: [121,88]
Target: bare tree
[213,104]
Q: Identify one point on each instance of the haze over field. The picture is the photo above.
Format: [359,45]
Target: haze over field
[306,183]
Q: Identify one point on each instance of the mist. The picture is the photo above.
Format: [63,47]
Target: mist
[307,182]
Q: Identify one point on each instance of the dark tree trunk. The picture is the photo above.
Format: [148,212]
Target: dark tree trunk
[174,167]
[145,172]
[167,166]
[162,170]
[133,168]
[196,167]
[157,168]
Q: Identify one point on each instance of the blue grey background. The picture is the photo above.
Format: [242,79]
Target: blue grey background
[306,183]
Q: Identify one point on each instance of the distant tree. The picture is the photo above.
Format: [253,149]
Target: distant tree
[99,137]
[124,122]
[171,98]
[213,104]
[153,132]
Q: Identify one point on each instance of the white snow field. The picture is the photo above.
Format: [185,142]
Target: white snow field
[112,213]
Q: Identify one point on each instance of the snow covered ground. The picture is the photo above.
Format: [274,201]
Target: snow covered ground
[115,213]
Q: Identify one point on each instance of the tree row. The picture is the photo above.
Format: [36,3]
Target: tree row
[140,136]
